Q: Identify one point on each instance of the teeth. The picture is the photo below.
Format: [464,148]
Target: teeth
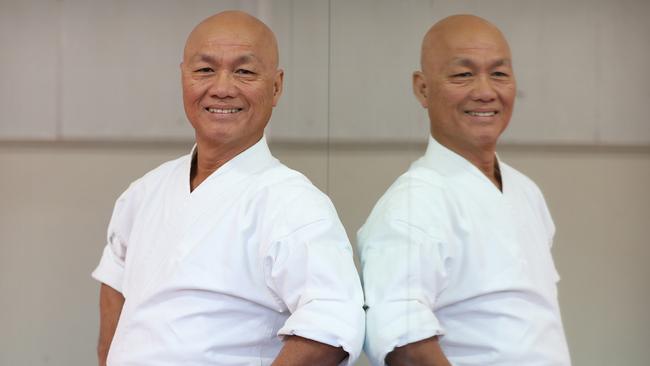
[223,111]
[481,114]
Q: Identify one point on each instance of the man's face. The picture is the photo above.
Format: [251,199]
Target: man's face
[230,85]
[467,85]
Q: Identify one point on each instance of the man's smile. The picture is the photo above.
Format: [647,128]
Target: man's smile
[481,113]
[223,110]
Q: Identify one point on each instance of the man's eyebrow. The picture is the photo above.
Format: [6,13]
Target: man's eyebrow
[245,58]
[502,62]
[460,61]
[204,57]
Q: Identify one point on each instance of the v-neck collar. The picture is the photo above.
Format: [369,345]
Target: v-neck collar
[249,161]
[449,163]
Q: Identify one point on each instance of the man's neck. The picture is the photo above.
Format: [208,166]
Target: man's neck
[202,169]
[486,161]
[210,157]
[483,158]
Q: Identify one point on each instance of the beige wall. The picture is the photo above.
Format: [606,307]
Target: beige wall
[57,198]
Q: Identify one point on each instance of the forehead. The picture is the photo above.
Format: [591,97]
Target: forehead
[221,45]
[449,41]
[490,44]
[238,41]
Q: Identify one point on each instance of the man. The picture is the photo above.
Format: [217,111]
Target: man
[225,256]
[456,255]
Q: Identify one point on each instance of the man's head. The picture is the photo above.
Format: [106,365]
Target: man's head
[231,80]
[466,83]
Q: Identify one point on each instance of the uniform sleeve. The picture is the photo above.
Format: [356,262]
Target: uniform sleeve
[403,271]
[547,220]
[312,272]
[111,265]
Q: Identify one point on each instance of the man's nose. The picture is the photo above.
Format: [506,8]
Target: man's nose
[483,89]
[223,85]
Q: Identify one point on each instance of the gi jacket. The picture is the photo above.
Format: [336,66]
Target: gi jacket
[469,263]
[216,276]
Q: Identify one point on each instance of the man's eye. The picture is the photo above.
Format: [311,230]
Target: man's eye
[462,75]
[500,74]
[204,69]
[244,72]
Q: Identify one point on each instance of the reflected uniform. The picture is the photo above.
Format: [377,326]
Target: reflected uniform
[444,252]
[213,277]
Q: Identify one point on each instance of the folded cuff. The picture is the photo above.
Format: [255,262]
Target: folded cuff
[110,270]
[396,324]
[331,322]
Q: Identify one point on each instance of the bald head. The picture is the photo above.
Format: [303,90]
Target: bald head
[458,32]
[467,85]
[236,28]
[231,82]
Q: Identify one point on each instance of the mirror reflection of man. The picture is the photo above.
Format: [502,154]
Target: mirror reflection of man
[456,258]
[225,256]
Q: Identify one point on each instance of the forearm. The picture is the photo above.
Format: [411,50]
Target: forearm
[110,308]
[299,351]
[422,353]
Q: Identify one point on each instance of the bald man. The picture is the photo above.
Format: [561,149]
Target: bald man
[225,256]
[456,258]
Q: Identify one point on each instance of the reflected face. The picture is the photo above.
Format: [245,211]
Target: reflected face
[468,87]
[230,83]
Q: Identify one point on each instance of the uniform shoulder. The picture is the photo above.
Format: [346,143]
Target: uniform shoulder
[415,185]
[520,179]
[418,199]
[291,197]
[138,188]
[162,170]
[285,182]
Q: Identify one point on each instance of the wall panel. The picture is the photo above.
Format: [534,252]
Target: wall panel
[623,57]
[121,76]
[29,69]
[375,49]
[302,29]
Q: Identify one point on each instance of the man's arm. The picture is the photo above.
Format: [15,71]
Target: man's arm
[302,351]
[110,308]
[312,273]
[426,352]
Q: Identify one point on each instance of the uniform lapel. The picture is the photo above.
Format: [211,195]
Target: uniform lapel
[195,215]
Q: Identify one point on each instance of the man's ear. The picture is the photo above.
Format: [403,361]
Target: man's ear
[420,88]
[182,67]
[278,83]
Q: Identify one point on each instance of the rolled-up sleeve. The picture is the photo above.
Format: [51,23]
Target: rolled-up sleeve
[312,272]
[110,270]
[402,274]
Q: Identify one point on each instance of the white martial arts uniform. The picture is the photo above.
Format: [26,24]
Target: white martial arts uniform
[444,252]
[213,277]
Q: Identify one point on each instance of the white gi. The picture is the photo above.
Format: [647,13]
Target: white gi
[213,277]
[444,252]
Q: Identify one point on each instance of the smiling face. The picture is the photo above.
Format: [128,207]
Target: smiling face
[466,84]
[230,80]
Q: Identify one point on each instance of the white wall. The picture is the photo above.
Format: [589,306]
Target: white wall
[57,199]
